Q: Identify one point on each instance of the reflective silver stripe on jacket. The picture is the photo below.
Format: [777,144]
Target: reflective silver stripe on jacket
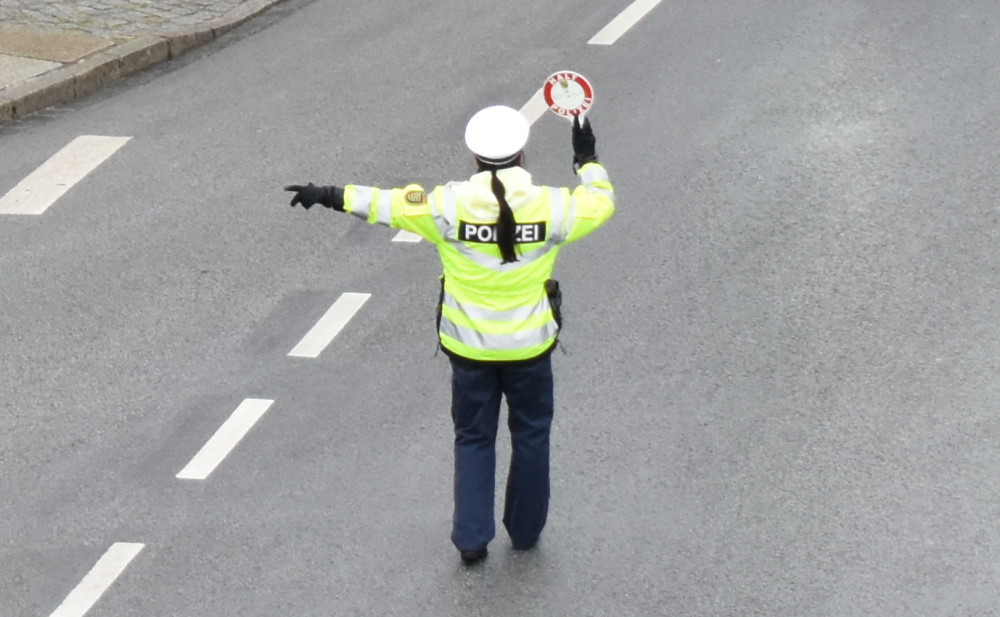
[362,205]
[444,213]
[519,314]
[596,174]
[384,208]
[481,340]
[556,235]
[570,216]
[561,222]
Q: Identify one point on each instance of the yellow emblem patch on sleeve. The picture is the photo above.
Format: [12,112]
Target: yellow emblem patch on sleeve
[417,198]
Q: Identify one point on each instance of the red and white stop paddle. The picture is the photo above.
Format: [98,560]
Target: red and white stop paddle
[568,93]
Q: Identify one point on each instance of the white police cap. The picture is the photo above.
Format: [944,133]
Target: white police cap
[497,133]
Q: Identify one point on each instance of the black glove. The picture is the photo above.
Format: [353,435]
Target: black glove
[310,195]
[584,143]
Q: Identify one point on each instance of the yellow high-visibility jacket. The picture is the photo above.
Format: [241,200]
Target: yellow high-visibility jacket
[493,312]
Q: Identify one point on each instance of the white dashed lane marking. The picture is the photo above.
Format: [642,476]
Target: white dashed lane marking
[625,20]
[406,236]
[56,176]
[535,107]
[225,439]
[107,569]
[329,325]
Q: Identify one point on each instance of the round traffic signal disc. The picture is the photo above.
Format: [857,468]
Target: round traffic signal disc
[568,93]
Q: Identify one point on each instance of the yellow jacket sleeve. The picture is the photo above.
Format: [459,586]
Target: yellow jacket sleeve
[408,208]
[592,203]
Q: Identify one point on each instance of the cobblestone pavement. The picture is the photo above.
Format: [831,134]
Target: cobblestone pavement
[114,19]
[55,51]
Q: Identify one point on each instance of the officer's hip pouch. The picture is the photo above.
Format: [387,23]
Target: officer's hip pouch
[555,300]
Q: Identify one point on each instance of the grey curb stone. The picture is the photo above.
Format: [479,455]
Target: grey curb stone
[184,40]
[97,70]
[142,53]
[94,72]
[239,15]
[48,89]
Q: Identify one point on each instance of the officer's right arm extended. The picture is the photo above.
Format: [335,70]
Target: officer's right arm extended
[408,208]
[411,208]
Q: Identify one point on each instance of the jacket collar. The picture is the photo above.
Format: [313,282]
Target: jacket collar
[513,178]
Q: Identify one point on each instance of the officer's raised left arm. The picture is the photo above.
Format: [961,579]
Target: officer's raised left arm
[592,203]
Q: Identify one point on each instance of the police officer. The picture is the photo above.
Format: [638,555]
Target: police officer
[498,236]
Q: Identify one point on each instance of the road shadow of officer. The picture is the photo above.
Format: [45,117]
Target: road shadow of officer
[498,236]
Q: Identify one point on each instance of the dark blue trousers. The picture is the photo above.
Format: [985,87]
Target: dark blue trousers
[475,409]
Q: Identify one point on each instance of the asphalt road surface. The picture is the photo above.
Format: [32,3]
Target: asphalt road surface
[781,387]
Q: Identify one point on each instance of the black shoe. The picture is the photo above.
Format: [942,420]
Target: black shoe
[474,555]
[524,547]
